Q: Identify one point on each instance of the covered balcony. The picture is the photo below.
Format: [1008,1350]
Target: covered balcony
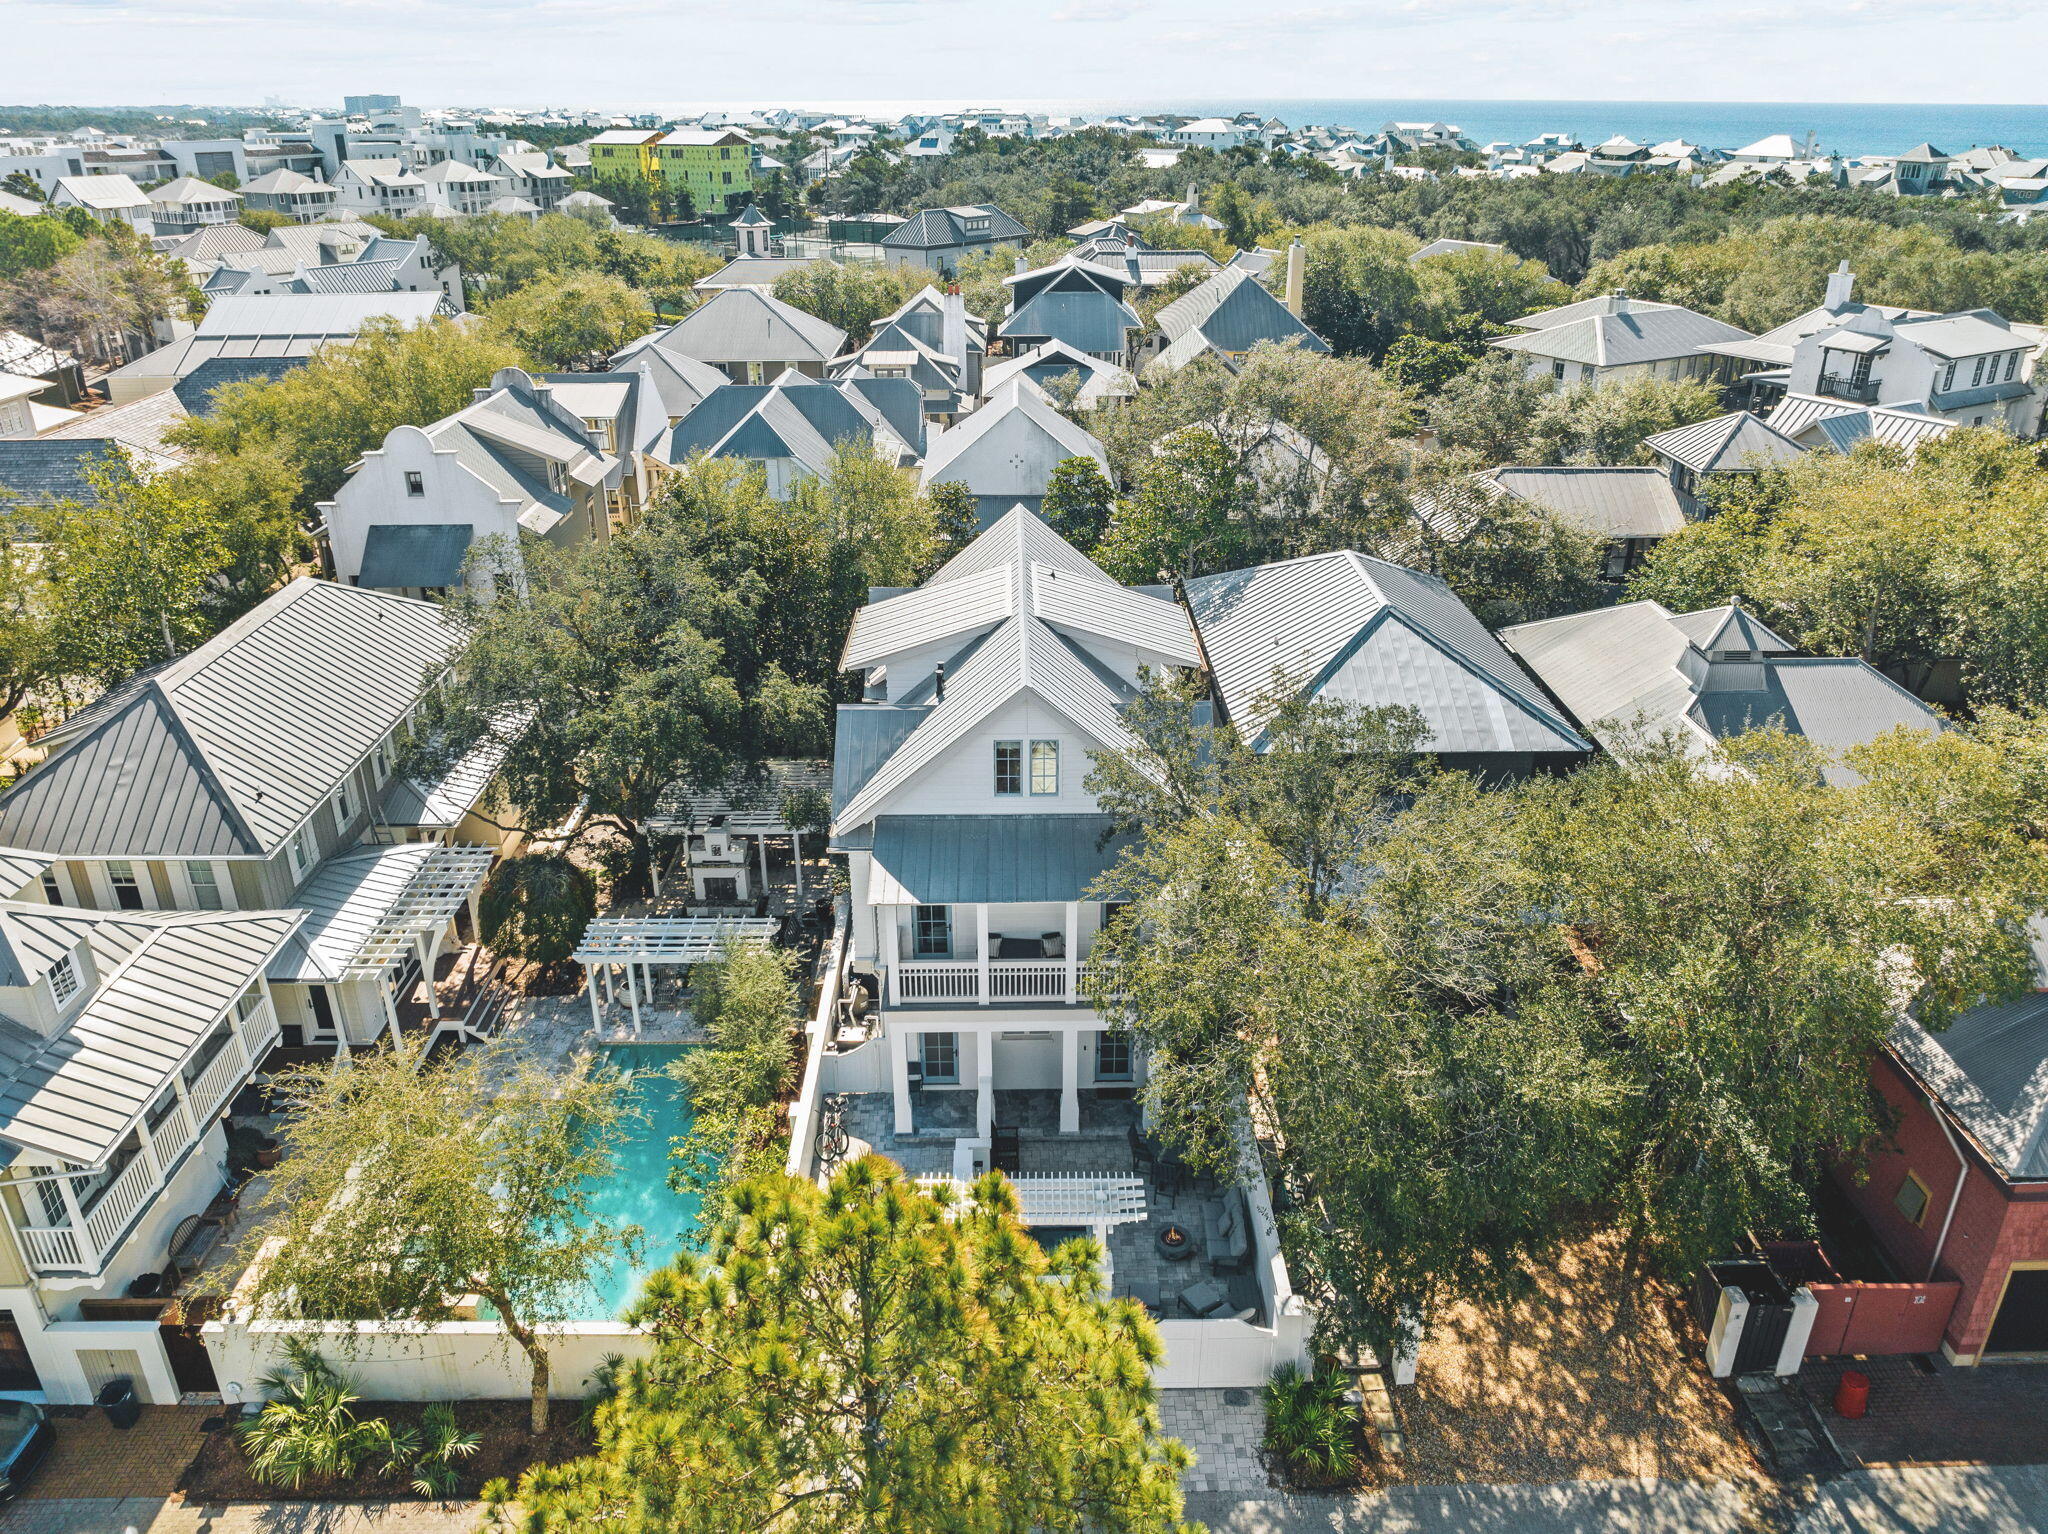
[111,1111]
[986,910]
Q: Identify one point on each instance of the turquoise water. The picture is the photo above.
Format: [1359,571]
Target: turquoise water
[637,1190]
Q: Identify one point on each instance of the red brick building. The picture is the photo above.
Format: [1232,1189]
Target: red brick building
[1964,1195]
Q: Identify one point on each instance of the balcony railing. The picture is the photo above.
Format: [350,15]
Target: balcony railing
[85,1245]
[1863,390]
[970,982]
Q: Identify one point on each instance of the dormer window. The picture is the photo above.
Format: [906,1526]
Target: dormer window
[415,482]
[1948,378]
[126,887]
[2012,365]
[302,853]
[64,980]
[1977,373]
[344,805]
[558,479]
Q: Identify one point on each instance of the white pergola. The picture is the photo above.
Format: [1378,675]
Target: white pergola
[446,882]
[637,943]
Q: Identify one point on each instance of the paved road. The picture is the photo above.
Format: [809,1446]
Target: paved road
[1937,1500]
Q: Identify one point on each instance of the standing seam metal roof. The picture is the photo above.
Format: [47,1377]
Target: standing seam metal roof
[226,751]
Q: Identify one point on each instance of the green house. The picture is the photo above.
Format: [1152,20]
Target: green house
[716,167]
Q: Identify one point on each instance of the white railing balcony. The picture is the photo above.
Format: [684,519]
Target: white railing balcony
[1054,1199]
[258,1031]
[223,1074]
[969,982]
[127,1193]
[173,1132]
[52,1248]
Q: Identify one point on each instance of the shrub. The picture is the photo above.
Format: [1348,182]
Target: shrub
[536,907]
[1309,1424]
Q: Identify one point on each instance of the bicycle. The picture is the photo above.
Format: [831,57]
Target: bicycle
[832,1140]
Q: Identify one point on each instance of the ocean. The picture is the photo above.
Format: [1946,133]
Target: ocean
[1843,128]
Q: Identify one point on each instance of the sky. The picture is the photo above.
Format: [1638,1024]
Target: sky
[619,54]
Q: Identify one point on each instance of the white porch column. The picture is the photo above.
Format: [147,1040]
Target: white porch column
[796,861]
[985,1082]
[387,993]
[1073,952]
[184,1096]
[88,1254]
[427,963]
[1070,1081]
[148,1143]
[590,985]
[633,996]
[981,957]
[761,846]
[899,1073]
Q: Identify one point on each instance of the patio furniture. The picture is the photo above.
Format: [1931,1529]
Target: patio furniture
[1175,1244]
[1145,1161]
[1019,948]
[1154,1296]
[1230,1233]
[1205,1299]
[1005,1150]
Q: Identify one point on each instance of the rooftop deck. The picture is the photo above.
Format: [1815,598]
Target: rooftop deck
[1103,1148]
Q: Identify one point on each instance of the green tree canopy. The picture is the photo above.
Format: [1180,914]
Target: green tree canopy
[851,297]
[574,324]
[749,1008]
[862,1358]
[536,907]
[320,418]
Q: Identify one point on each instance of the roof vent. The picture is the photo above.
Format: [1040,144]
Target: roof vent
[939,683]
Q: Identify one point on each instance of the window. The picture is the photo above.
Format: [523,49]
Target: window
[558,479]
[64,980]
[932,932]
[415,483]
[205,886]
[941,1057]
[1113,1057]
[1977,373]
[52,890]
[2012,365]
[1911,1200]
[302,850]
[1948,378]
[600,433]
[127,891]
[380,760]
[1045,766]
[51,1197]
[344,805]
[1009,767]
[1557,371]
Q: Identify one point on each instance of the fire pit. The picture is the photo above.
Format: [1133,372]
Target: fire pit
[1174,1244]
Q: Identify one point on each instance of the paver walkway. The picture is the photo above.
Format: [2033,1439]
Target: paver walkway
[1996,1414]
[1958,1499]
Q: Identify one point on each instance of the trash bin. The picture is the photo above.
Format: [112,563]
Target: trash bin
[1852,1395]
[118,1399]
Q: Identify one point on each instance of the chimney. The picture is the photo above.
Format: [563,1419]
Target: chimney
[953,333]
[939,683]
[1841,283]
[1021,267]
[1294,260]
[1194,202]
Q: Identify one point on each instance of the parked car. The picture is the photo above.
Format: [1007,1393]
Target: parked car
[25,1439]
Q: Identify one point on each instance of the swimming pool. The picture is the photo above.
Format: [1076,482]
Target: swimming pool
[636,1191]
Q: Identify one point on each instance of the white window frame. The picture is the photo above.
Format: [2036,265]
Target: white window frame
[212,883]
[301,852]
[138,874]
[342,802]
[65,983]
[1031,763]
[996,769]
[415,482]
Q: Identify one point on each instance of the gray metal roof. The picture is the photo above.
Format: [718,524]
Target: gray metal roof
[946,228]
[17,871]
[1586,308]
[1649,334]
[754,271]
[1234,312]
[423,556]
[41,471]
[1613,502]
[865,735]
[1093,321]
[226,751]
[1990,1069]
[1618,669]
[1725,444]
[1364,631]
[747,325]
[969,859]
[1804,417]
[1010,446]
[165,980]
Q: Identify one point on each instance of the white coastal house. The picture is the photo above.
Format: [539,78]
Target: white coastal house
[1615,339]
[215,861]
[517,460]
[972,843]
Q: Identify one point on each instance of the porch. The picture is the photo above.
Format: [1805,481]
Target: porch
[1105,1178]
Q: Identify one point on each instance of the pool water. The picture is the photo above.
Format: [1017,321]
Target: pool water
[637,1192]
